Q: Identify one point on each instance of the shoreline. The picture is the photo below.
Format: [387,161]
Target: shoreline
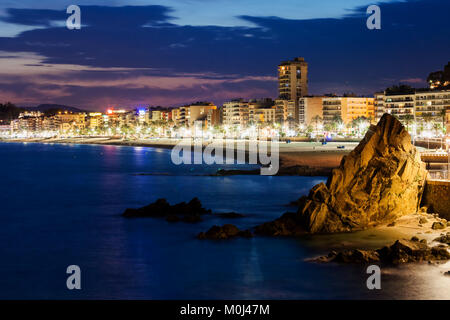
[296,158]
[405,227]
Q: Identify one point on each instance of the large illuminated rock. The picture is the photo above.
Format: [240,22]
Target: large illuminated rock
[380,180]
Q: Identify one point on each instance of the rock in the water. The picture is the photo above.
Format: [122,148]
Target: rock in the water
[402,251]
[225,232]
[172,218]
[287,225]
[380,180]
[230,215]
[190,211]
[192,218]
[444,238]
[438,225]
[351,256]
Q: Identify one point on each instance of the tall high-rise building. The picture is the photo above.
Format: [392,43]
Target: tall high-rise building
[293,81]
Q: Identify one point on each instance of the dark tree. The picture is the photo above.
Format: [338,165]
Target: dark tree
[9,112]
[400,89]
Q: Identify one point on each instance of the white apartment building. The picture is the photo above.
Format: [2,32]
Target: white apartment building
[235,112]
[420,106]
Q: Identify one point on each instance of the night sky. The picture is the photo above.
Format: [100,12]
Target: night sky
[170,52]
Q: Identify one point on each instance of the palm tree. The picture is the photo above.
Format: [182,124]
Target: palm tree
[337,122]
[316,120]
[125,129]
[427,118]
[437,127]
[359,124]
[443,118]
[408,120]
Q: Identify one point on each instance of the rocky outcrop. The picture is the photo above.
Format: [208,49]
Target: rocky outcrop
[287,225]
[351,256]
[188,212]
[444,238]
[402,251]
[229,215]
[227,231]
[380,180]
[296,170]
[439,225]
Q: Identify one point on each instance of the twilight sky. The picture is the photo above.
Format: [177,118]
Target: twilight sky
[169,52]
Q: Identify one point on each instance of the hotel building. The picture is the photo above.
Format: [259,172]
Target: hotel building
[431,105]
[28,121]
[213,118]
[262,111]
[262,115]
[347,108]
[309,107]
[157,115]
[194,112]
[95,120]
[67,121]
[235,112]
[447,121]
[293,81]
[176,115]
[420,106]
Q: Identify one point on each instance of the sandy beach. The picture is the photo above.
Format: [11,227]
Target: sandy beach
[405,227]
[304,154]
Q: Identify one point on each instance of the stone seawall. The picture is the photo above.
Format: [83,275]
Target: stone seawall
[437,197]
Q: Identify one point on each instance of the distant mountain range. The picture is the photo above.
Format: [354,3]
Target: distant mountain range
[47,107]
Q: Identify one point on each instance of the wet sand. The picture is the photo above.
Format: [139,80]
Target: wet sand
[405,227]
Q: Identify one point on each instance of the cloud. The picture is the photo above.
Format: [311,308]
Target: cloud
[414,81]
[99,16]
[139,54]
[99,87]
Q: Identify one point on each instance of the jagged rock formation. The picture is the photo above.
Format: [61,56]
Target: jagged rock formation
[402,251]
[439,225]
[444,238]
[187,212]
[380,180]
[227,231]
[191,211]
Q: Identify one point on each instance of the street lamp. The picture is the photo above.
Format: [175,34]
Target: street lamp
[448,158]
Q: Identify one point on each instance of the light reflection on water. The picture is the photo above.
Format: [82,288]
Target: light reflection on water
[65,209]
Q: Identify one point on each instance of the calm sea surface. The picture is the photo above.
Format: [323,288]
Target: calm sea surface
[61,206]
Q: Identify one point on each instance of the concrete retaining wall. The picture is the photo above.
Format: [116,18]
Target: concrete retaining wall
[437,197]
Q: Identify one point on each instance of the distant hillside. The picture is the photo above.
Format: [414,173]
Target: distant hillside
[53,107]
